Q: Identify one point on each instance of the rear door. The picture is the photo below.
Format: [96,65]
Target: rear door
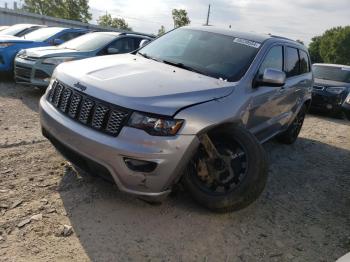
[296,67]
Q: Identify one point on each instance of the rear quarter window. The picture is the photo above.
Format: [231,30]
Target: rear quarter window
[292,62]
[304,62]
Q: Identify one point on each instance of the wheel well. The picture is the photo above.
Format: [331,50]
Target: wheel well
[307,103]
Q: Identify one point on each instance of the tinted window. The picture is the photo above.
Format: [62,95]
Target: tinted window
[292,62]
[304,62]
[274,60]
[68,36]
[340,74]
[89,42]
[208,53]
[124,45]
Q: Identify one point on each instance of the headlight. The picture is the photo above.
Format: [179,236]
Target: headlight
[3,45]
[156,126]
[336,90]
[57,60]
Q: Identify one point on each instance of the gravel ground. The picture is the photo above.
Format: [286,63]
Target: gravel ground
[303,214]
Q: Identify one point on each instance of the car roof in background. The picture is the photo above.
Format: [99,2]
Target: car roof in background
[332,65]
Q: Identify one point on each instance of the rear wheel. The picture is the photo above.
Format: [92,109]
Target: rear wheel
[235,178]
[291,134]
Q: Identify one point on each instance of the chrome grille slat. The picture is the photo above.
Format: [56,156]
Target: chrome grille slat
[87,110]
[321,88]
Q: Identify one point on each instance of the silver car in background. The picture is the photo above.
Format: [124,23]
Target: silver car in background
[193,106]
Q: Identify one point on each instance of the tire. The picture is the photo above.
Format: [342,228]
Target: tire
[247,189]
[347,114]
[291,134]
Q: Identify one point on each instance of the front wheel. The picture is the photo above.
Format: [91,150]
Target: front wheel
[233,180]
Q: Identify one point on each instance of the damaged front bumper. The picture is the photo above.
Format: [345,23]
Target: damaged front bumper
[88,148]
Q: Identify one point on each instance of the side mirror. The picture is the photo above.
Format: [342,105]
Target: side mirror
[272,77]
[57,41]
[112,51]
[144,42]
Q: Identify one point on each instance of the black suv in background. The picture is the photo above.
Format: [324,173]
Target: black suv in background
[332,86]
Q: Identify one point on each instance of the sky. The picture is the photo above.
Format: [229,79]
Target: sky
[296,19]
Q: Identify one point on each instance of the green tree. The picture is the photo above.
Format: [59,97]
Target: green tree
[314,50]
[77,10]
[43,7]
[180,18]
[332,47]
[67,9]
[161,31]
[335,45]
[108,20]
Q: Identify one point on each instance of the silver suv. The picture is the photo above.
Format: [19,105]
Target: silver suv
[193,106]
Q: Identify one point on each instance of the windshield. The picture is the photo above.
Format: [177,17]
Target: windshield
[211,54]
[42,34]
[338,74]
[89,42]
[14,30]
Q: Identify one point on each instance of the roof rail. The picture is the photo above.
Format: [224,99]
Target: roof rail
[136,33]
[282,37]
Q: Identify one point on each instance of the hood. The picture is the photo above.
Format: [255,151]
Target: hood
[328,83]
[141,84]
[50,51]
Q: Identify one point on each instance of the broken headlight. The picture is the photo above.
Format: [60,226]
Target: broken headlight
[154,125]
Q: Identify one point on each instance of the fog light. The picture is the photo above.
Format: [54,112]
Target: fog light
[140,165]
[47,79]
[329,106]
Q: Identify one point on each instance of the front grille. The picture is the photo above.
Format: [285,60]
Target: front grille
[29,58]
[87,110]
[23,72]
[321,88]
[41,74]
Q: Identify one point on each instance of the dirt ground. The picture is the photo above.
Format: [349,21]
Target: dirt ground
[303,214]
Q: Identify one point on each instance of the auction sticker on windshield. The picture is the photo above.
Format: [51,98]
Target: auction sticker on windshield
[246,42]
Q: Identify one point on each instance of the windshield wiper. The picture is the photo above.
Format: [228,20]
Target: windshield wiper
[186,67]
[148,57]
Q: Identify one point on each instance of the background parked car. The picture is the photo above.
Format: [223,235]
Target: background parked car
[3,27]
[20,29]
[9,47]
[332,85]
[346,107]
[35,66]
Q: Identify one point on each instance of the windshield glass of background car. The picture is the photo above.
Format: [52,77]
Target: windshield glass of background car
[89,42]
[332,73]
[13,30]
[212,54]
[42,34]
